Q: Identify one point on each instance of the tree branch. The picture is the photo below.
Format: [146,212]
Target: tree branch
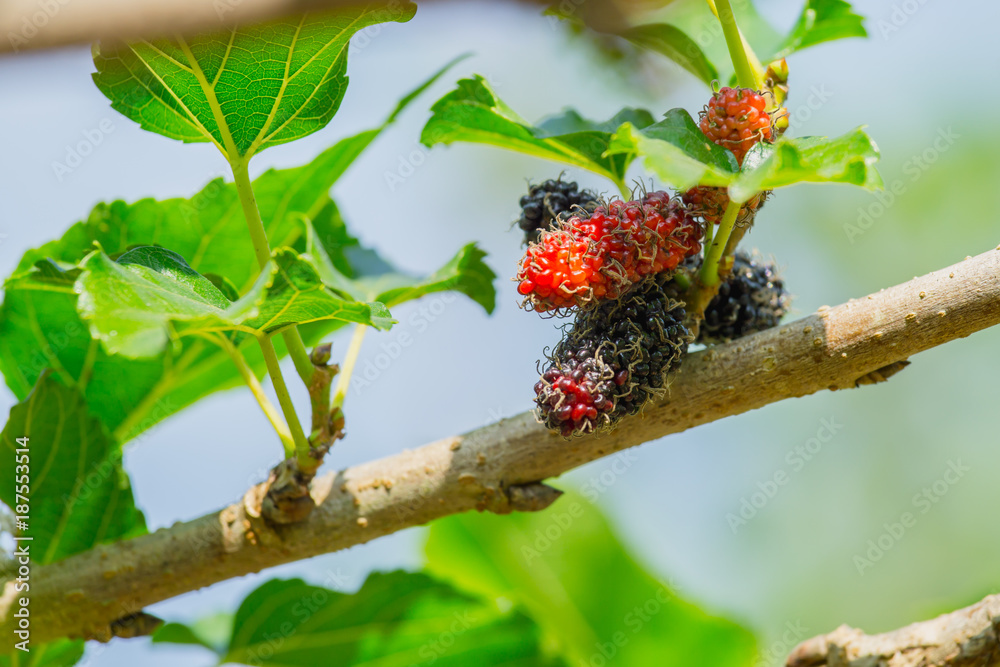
[497,468]
[968,637]
[29,24]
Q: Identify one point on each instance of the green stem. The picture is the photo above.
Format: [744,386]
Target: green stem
[347,368]
[258,236]
[298,353]
[709,275]
[745,75]
[284,398]
[272,414]
[292,338]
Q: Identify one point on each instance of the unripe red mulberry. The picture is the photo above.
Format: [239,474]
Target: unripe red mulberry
[736,118]
[586,259]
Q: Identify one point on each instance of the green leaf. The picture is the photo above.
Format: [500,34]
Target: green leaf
[396,618]
[150,296]
[673,43]
[677,151]
[369,277]
[474,113]
[79,493]
[60,653]
[849,158]
[211,632]
[822,21]
[244,89]
[40,327]
[578,582]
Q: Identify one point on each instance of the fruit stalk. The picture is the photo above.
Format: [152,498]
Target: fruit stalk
[746,75]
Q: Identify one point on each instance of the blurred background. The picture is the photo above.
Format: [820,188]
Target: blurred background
[923,82]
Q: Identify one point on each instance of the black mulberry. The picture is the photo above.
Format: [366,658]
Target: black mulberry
[545,202]
[752,300]
[613,360]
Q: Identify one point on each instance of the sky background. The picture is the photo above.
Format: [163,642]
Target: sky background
[928,70]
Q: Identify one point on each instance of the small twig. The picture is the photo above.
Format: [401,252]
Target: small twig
[965,638]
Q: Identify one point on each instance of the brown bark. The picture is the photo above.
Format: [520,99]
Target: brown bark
[964,638]
[29,24]
[497,468]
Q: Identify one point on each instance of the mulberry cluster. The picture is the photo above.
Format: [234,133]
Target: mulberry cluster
[586,259]
[544,203]
[613,360]
[752,299]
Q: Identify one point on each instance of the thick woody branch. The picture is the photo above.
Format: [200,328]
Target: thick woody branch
[498,468]
[968,637]
[44,24]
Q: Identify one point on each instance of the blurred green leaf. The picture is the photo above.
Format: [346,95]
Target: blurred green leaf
[578,582]
[473,113]
[199,89]
[60,653]
[40,327]
[673,43]
[822,21]
[211,632]
[79,493]
[397,618]
[135,306]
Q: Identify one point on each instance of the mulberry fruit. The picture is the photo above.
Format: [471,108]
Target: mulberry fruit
[736,118]
[585,260]
[544,203]
[613,360]
[752,299]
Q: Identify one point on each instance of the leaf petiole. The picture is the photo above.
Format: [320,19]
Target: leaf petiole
[272,414]
[347,368]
